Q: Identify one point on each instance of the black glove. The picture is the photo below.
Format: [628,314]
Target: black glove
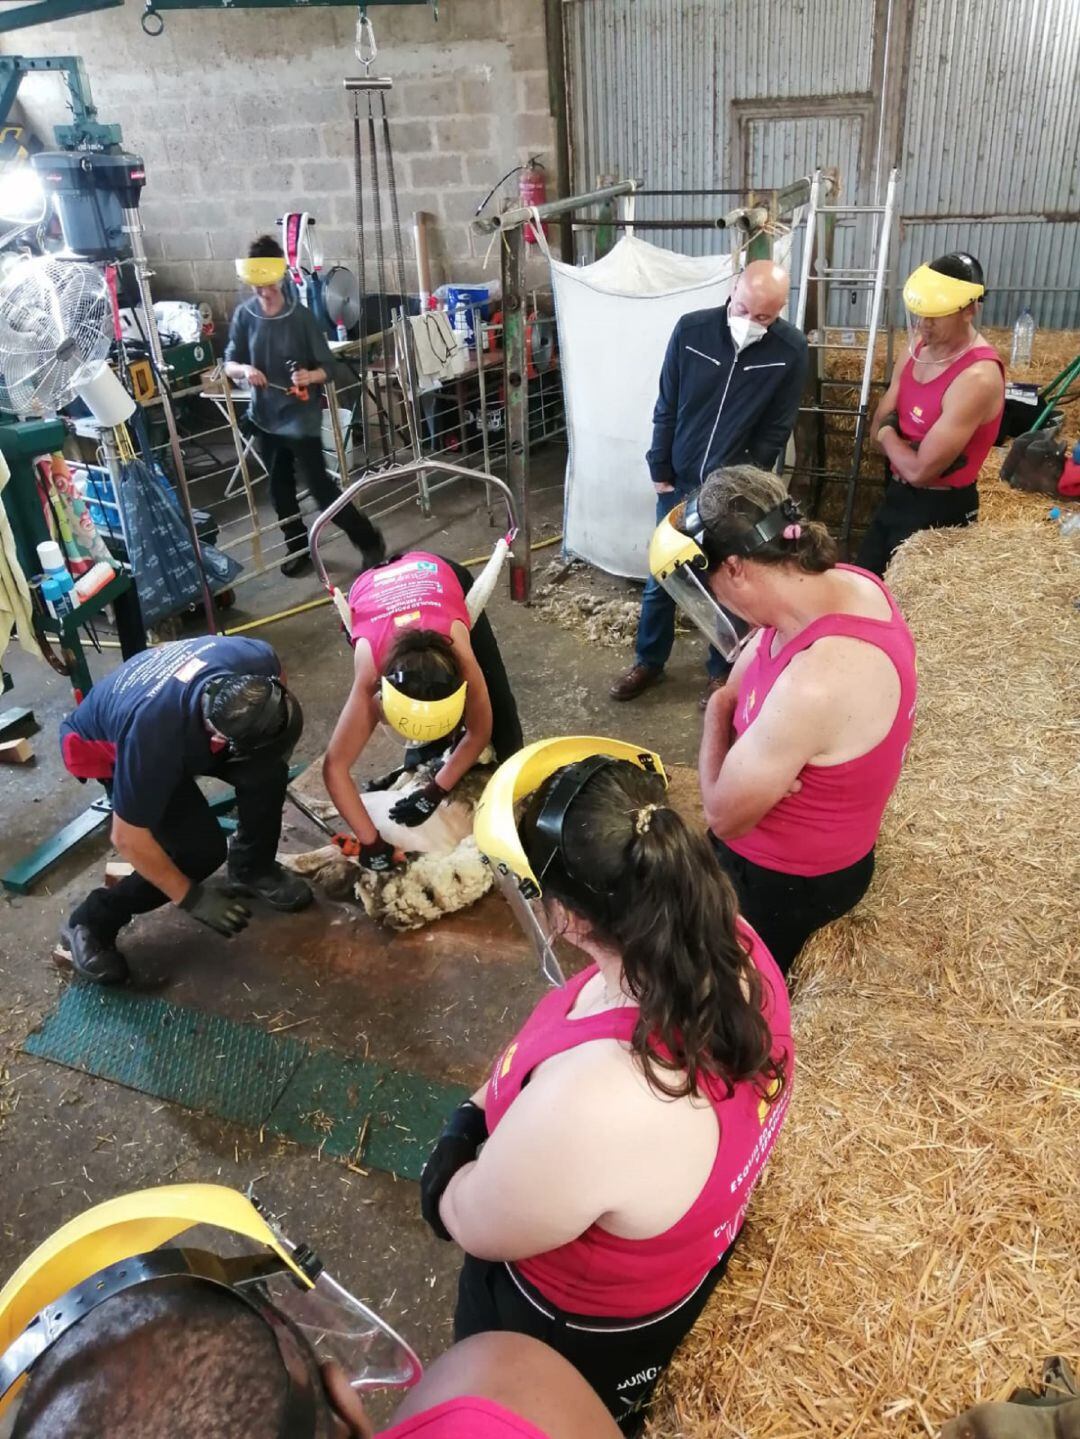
[378,857]
[217,908]
[457,1145]
[891,421]
[415,808]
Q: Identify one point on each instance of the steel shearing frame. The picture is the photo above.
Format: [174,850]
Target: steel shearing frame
[43,12]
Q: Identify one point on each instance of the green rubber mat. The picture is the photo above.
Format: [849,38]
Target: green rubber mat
[376,1116]
[373,1115]
[198,1060]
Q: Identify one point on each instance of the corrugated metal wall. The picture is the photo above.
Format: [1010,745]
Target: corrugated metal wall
[983,113]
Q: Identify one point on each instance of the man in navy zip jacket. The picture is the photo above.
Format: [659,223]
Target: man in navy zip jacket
[729,394]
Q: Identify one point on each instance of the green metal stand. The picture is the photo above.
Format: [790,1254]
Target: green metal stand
[22,877]
[1057,390]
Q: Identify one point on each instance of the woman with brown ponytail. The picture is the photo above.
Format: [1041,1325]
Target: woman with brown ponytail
[803,745]
[626,1125]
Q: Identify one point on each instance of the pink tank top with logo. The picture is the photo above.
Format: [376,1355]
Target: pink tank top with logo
[919,408]
[599,1273]
[417,591]
[464,1418]
[833,821]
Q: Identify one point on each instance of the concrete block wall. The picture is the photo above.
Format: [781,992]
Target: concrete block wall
[241,115]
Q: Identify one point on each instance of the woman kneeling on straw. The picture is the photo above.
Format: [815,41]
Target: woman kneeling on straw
[626,1125]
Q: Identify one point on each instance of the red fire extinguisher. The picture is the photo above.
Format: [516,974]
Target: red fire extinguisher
[532,190]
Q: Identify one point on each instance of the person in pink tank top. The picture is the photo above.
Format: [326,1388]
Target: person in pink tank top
[422,663]
[939,417]
[599,1180]
[803,746]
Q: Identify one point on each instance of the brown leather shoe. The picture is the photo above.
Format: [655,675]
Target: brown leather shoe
[708,692]
[636,680]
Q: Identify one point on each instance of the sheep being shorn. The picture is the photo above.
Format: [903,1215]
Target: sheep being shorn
[443,873]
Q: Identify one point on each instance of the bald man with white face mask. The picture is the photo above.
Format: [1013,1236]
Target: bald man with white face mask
[729,394]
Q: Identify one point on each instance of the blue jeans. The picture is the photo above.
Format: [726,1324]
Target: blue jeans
[656,627]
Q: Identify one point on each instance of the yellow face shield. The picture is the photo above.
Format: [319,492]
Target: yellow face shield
[116,1246]
[268,270]
[931,295]
[421,721]
[680,565]
[495,824]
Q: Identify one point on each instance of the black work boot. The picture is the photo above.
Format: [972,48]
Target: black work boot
[95,959]
[296,564]
[279,887]
[373,553]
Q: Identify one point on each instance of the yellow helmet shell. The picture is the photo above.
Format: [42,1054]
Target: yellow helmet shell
[116,1230]
[669,547]
[266,270]
[931,294]
[421,721]
[494,823]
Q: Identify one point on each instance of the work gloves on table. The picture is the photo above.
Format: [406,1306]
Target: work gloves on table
[458,1145]
[216,908]
[414,808]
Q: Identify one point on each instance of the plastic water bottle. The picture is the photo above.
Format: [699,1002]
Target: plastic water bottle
[1023,339]
[1071,524]
[342,332]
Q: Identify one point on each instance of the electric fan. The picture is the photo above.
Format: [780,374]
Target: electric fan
[55,333]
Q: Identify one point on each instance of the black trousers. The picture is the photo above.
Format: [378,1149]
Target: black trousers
[506,735]
[283,455]
[907,509]
[786,909]
[621,1358]
[190,835]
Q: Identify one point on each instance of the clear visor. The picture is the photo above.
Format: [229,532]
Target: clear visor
[724,631]
[341,1327]
[530,914]
[938,331]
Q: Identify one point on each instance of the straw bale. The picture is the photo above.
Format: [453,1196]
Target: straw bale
[913,1247]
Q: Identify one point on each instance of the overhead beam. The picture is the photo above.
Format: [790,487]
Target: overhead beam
[43,12]
[160,5]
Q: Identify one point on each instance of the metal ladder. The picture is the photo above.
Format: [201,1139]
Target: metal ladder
[872,281]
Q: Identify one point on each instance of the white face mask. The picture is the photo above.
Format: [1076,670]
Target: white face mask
[744,331]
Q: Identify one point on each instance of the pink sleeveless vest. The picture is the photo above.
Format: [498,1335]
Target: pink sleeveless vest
[919,408]
[417,591]
[834,819]
[599,1273]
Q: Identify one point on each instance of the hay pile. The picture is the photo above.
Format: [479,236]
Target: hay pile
[914,1245]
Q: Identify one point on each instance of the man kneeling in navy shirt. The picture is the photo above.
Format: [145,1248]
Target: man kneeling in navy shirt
[207,706]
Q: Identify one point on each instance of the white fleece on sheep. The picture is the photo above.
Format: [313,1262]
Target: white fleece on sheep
[429,887]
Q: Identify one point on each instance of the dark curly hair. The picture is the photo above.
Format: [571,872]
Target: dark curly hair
[653,889]
[423,663]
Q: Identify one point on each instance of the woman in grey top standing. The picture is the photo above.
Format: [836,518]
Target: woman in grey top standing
[276,347]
